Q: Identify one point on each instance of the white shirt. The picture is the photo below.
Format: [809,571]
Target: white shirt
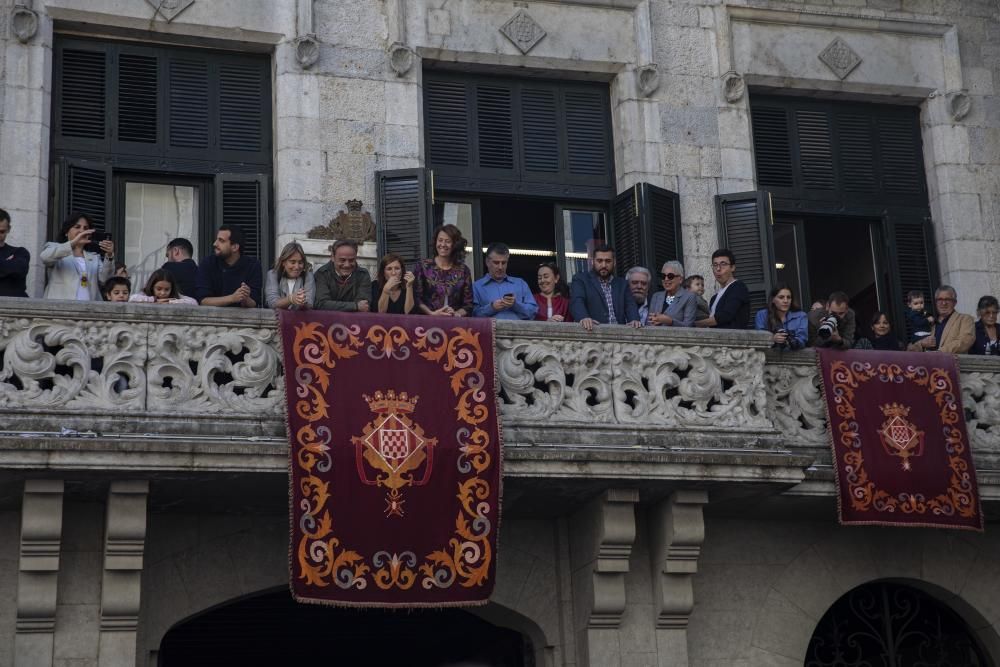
[82,293]
[718,297]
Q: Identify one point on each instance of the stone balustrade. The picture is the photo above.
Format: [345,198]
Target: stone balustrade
[199,374]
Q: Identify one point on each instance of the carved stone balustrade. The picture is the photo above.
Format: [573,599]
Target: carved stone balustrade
[129,380]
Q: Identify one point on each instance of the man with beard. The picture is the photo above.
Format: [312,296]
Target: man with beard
[598,297]
[228,277]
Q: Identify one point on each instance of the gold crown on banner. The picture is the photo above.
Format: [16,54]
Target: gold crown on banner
[388,402]
[895,410]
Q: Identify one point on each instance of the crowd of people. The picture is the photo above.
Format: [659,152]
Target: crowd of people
[81,266]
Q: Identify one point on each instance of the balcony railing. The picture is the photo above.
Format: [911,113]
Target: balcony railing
[173,377]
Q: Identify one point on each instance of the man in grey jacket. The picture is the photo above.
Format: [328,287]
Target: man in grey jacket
[675,306]
[340,283]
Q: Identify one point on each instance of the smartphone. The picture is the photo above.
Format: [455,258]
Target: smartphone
[508,295]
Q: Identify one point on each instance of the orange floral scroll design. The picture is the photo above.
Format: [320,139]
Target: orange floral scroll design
[958,499]
[321,557]
[468,556]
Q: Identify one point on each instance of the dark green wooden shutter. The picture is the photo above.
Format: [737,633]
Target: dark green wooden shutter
[625,233]
[587,132]
[495,127]
[241,200]
[138,98]
[447,120]
[540,119]
[745,228]
[646,227]
[815,143]
[87,190]
[83,90]
[856,141]
[187,103]
[901,156]
[241,89]
[771,147]
[912,243]
[403,213]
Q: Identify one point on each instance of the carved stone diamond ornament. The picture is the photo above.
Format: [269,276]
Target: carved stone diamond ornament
[168,10]
[523,30]
[840,58]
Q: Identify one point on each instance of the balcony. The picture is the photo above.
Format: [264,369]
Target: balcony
[127,389]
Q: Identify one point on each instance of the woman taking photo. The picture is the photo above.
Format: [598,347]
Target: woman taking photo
[443,284]
[392,291]
[290,284]
[77,264]
[553,295]
[986,327]
[788,325]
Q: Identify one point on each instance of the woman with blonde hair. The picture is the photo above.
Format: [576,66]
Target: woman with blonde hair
[290,284]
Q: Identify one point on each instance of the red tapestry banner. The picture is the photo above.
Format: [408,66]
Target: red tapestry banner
[395,457]
[900,449]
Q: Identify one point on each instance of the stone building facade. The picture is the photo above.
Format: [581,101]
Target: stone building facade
[625,543]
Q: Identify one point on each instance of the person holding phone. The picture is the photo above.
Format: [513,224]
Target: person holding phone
[79,261]
[499,295]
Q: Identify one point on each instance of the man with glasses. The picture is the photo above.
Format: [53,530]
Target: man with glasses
[674,306]
[730,306]
[638,279]
[954,332]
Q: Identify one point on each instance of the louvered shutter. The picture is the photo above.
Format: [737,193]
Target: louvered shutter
[82,94]
[815,149]
[86,188]
[745,228]
[900,154]
[403,213]
[771,147]
[187,103]
[495,127]
[241,88]
[446,116]
[587,137]
[138,98]
[912,247]
[241,200]
[625,231]
[662,218]
[856,141]
[540,121]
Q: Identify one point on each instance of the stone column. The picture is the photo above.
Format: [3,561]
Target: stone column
[677,531]
[124,543]
[38,576]
[601,538]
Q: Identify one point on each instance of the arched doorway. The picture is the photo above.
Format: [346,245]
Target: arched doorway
[885,624]
[272,629]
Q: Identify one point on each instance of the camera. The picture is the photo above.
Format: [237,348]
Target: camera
[827,326]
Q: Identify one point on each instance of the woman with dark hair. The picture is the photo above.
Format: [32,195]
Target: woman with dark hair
[74,270]
[987,336]
[392,291]
[882,337]
[290,284]
[162,288]
[443,284]
[788,325]
[553,295]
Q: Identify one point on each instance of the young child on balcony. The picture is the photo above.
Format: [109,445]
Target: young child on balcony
[116,289]
[919,323]
[162,288]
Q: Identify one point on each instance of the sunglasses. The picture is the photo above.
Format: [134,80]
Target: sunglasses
[669,276]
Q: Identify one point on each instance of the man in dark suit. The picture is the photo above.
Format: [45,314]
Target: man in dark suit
[598,297]
[730,306]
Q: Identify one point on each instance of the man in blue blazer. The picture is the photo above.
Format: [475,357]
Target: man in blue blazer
[598,297]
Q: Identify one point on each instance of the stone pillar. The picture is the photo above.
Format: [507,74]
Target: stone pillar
[124,543]
[677,531]
[601,538]
[38,576]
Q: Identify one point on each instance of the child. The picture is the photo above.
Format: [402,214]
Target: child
[696,284]
[162,288]
[919,323]
[116,289]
